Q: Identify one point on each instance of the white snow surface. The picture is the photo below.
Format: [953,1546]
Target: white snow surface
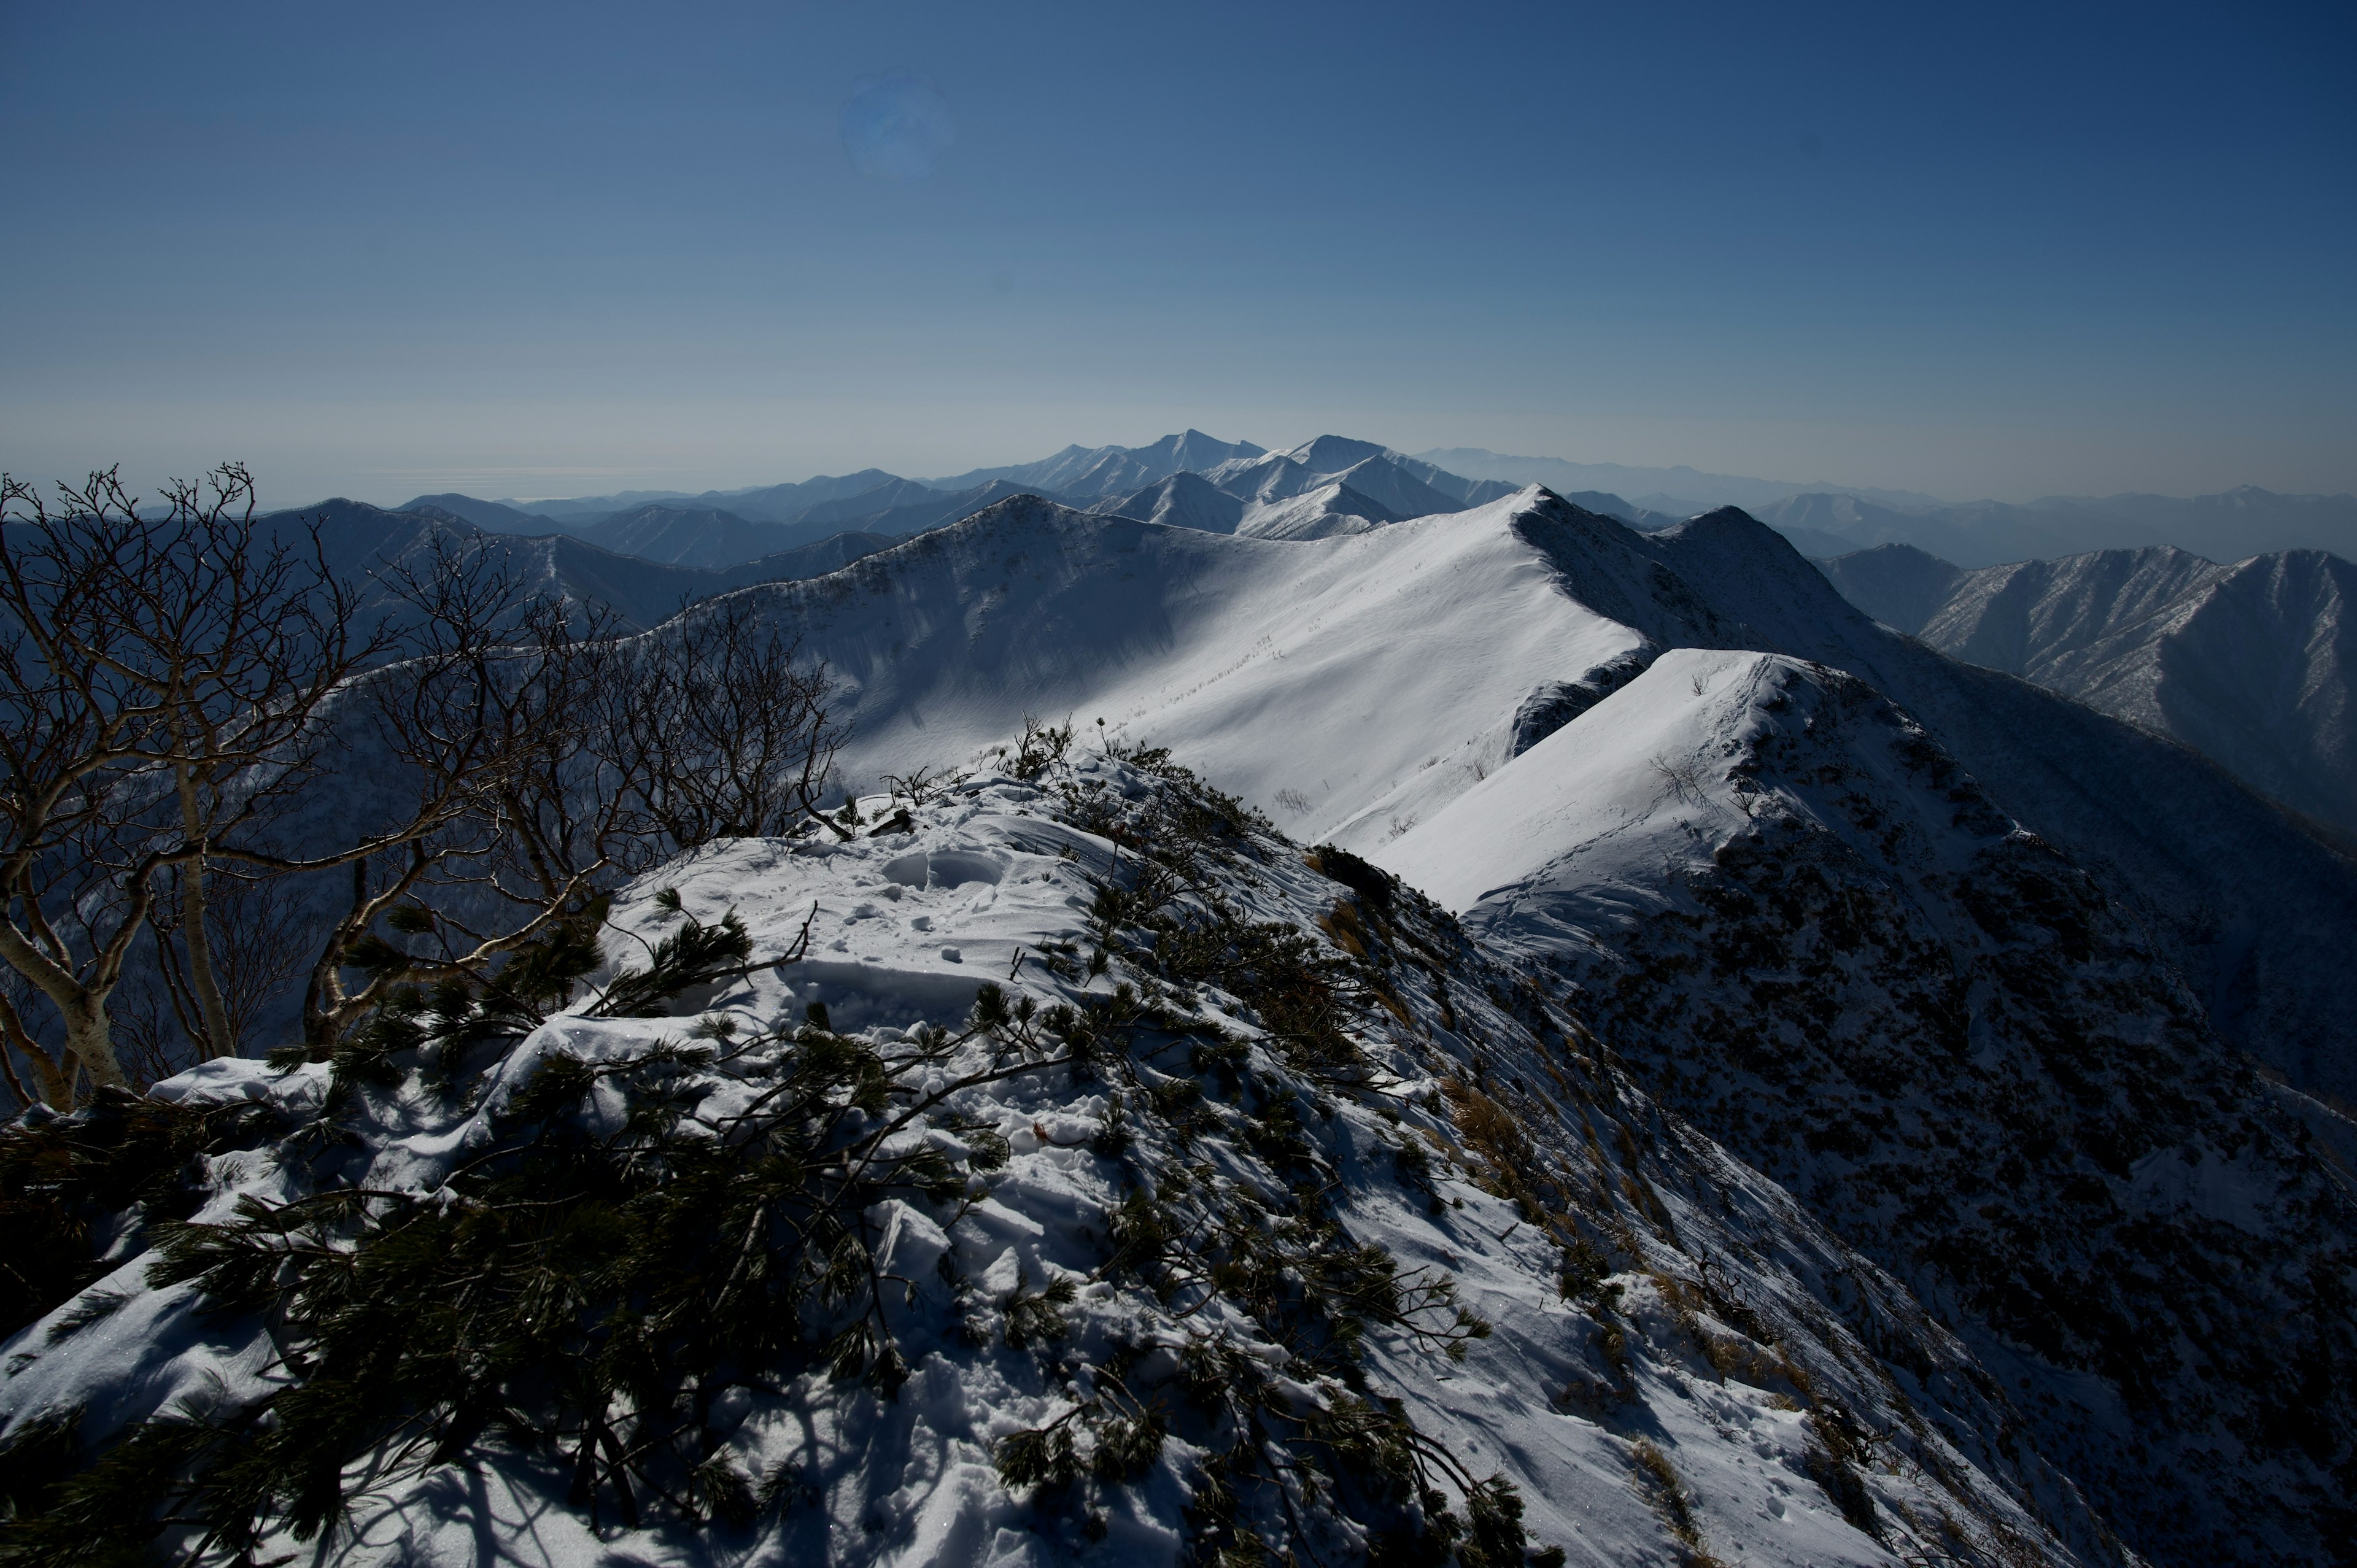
[1315,679]
[905,928]
[1592,812]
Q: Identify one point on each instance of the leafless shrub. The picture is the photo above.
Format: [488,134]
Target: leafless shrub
[1042,745]
[547,759]
[1682,775]
[722,729]
[1293,801]
[921,786]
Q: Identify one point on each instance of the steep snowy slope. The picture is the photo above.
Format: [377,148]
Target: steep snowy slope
[1310,677]
[1354,685]
[2250,664]
[1065,1170]
[1322,513]
[2256,914]
[1808,929]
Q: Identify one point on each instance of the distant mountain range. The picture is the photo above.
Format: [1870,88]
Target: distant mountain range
[1679,490]
[2250,664]
[1283,495]
[363,542]
[1327,486]
[1826,519]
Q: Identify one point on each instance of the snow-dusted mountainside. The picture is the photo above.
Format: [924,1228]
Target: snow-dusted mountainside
[1182,500]
[1357,466]
[1320,673]
[1321,513]
[1808,929]
[1354,685]
[1071,1171]
[2250,664]
[2240,898]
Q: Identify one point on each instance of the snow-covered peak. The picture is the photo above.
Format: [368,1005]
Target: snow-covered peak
[1334,454]
[1182,500]
[1323,514]
[1822,941]
[1592,812]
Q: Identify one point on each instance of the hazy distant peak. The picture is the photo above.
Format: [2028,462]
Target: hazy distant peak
[491,515]
[1333,453]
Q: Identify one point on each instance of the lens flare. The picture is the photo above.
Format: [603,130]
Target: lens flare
[897,127]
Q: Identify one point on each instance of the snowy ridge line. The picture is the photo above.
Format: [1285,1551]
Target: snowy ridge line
[1806,927]
[1160,1286]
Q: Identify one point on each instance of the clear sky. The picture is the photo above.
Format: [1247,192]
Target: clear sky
[548,249]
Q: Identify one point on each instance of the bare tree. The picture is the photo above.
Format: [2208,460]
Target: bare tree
[511,820]
[550,760]
[174,685]
[720,726]
[260,940]
[155,672]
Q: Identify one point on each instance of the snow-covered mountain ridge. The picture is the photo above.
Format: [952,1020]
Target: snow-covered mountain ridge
[1202,1148]
[1285,495]
[2250,664]
[1351,686]
[1806,926]
[1959,963]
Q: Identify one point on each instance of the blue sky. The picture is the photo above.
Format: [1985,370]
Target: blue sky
[542,250]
